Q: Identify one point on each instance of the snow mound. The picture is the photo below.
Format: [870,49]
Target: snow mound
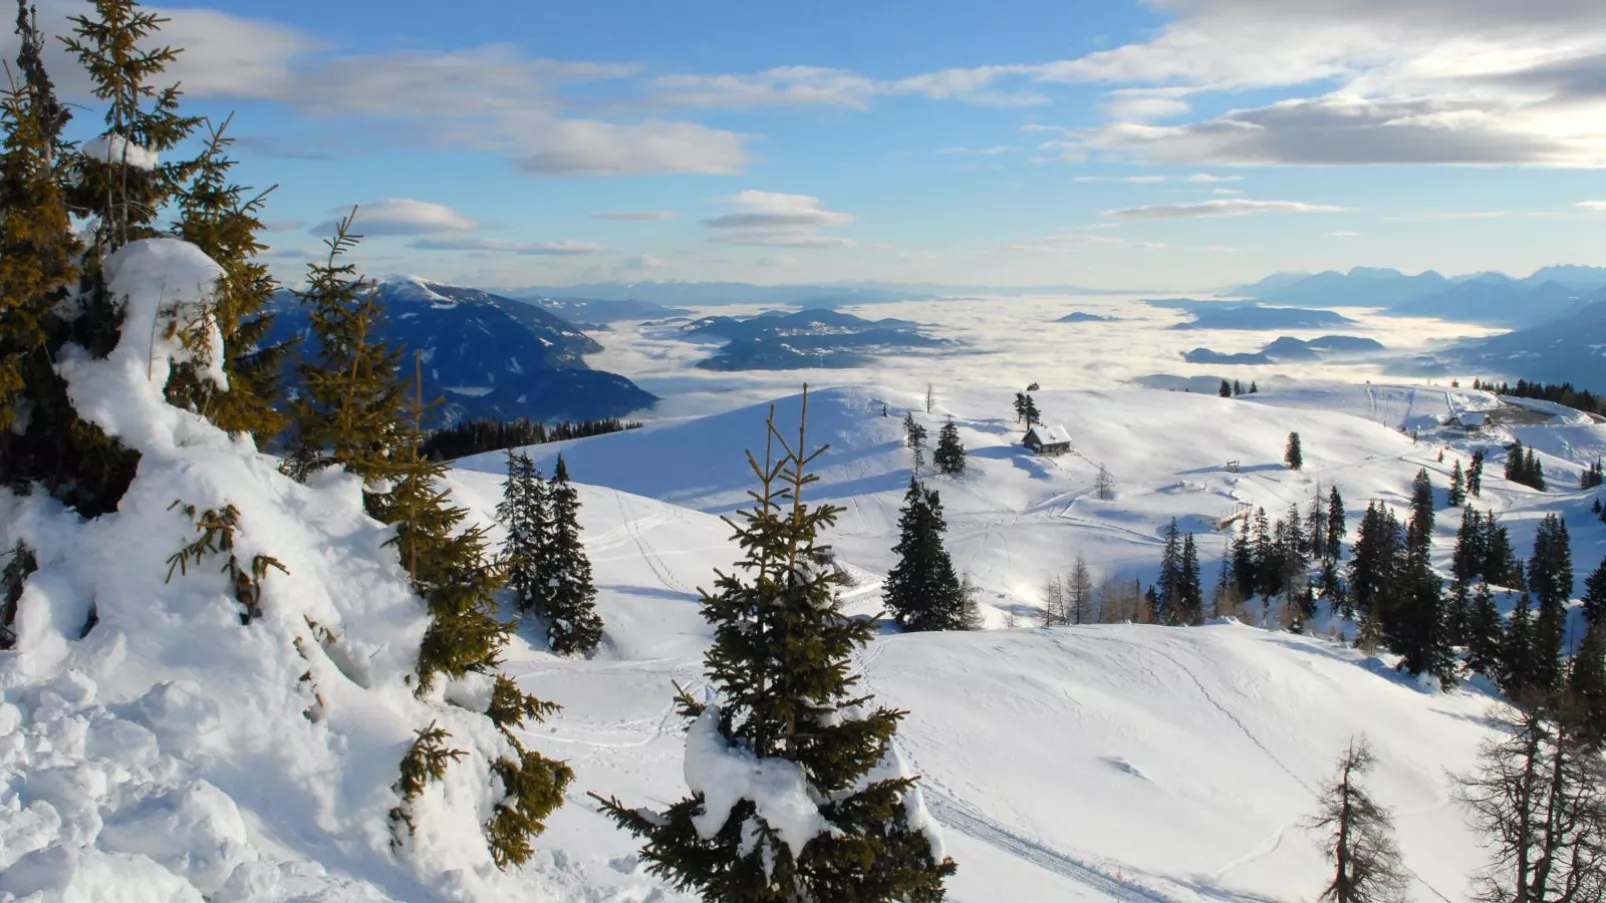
[110,148]
[153,746]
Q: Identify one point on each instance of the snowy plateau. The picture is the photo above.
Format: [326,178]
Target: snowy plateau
[167,755]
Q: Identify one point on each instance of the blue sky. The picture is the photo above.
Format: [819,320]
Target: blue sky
[1164,144]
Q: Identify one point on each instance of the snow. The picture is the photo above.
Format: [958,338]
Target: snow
[112,148]
[167,756]
[726,775]
[1050,435]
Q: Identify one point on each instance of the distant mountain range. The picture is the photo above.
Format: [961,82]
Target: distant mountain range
[1288,348]
[805,339]
[489,356]
[1570,347]
[588,312]
[1248,315]
[1078,316]
[1492,299]
[721,293]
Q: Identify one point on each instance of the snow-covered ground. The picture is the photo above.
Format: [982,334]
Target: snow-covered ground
[167,756]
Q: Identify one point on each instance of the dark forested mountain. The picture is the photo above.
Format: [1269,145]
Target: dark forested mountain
[1248,315]
[1288,348]
[1570,348]
[490,356]
[807,338]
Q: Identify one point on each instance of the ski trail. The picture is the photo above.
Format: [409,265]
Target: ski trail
[654,563]
[962,818]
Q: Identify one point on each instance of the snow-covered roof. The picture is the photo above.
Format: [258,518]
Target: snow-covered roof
[1050,435]
[1472,418]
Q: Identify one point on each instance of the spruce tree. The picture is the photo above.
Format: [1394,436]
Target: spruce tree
[1517,664]
[1534,470]
[1226,389]
[1253,388]
[1595,594]
[1245,579]
[1592,477]
[950,454]
[1475,475]
[1293,456]
[1316,527]
[1337,526]
[1550,578]
[1482,633]
[1376,565]
[218,217]
[1422,516]
[1033,415]
[1266,568]
[779,668]
[1360,842]
[1020,406]
[922,589]
[1168,587]
[1501,566]
[1190,591]
[1586,684]
[1237,388]
[568,598]
[1458,493]
[523,517]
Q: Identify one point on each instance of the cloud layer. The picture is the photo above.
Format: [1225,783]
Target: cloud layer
[400,216]
[1220,207]
[771,219]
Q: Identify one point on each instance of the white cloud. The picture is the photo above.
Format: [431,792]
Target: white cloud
[1154,179]
[1591,205]
[529,248]
[1343,233]
[1222,207]
[1146,104]
[1069,241]
[400,216]
[992,151]
[823,86]
[773,219]
[636,215]
[643,262]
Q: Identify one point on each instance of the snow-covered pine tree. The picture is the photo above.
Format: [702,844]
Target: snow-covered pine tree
[1293,456]
[922,589]
[950,454]
[1359,836]
[523,518]
[218,217]
[568,598]
[834,816]
[1458,491]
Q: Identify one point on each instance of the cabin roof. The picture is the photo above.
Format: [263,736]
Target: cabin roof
[1049,435]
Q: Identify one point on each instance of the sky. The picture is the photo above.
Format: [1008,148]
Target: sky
[1105,143]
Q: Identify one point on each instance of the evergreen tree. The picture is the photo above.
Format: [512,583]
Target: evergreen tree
[1422,517]
[1458,492]
[1475,475]
[1316,527]
[523,517]
[1020,407]
[1482,634]
[1266,568]
[568,598]
[914,436]
[950,454]
[1515,463]
[1550,578]
[1592,477]
[1033,415]
[1104,484]
[1586,684]
[1501,567]
[1190,591]
[1226,389]
[1517,661]
[1253,388]
[1376,564]
[1337,527]
[217,217]
[1168,587]
[1534,470]
[922,590]
[1333,589]
[1595,594]
[780,665]
[1292,455]
[1466,564]
[1360,842]
[1415,625]
[1245,578]
[1237,388]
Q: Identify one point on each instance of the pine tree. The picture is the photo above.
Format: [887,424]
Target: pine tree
[1375,567]
[780,667]
[1515,463]
[217,217]
[1245,579]
[950,454]
[1458,493]
[1033,415]
[1226,389]
[1595,594]
[1168,588]
[1020,407]
[1550,578]
[1237,388]
[1316,527]
[1534,470]
[1475,475]
[1586,684]
[568,598]
[352,409]
[1501,566]
[922,590]
[1482,634]
[1337,527]
[1266,568]
[1190,592]
[1253,388]
[523,518]
[1333,590]
[1292,455]
[1422,516]
[914,436]
[1517,650]
[1360,842]
[1592,477]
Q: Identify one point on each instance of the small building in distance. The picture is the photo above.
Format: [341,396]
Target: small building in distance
[1047,440]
